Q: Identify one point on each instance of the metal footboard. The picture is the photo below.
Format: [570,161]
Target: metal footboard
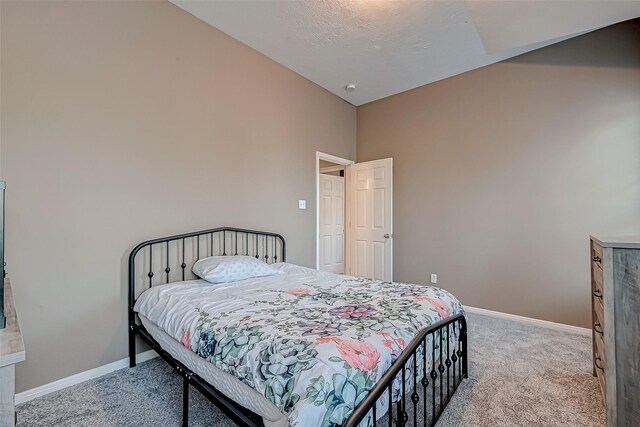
[428,372]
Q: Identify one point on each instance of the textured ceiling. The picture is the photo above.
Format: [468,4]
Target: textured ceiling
[385,47]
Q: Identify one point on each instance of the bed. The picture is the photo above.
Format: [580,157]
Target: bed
[299,347]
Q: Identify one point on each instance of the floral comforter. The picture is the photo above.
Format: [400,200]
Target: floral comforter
[313,343]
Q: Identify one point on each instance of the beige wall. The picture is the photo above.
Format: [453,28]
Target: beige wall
[123,121]
[500,174]
[326,164]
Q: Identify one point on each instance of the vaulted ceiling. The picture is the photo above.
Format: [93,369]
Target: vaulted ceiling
[384,47]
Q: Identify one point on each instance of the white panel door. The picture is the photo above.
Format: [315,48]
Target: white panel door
[332,223]
[371,188]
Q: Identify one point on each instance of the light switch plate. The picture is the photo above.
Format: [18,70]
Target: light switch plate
[302,204]
[434,278]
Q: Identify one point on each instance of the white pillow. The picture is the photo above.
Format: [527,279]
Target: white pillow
[223,269]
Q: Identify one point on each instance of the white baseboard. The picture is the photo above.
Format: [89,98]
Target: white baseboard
[27,395]
[531,321]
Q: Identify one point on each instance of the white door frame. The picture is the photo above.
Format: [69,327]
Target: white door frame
[340,161]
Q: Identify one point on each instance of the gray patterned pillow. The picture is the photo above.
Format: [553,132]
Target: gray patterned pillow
[223,269]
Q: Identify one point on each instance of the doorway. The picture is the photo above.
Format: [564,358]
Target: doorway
[354,217]
[331,229]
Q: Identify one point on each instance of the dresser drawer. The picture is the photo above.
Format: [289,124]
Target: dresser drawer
[597,285]
[600,362]
[597,293]
[596,271]
[599,340]
[598,316]
[596,253]
[601,381]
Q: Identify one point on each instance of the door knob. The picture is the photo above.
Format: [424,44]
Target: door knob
[386,236]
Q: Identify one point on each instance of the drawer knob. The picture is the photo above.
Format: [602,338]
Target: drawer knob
[598,328]
[596,258]
[598,363]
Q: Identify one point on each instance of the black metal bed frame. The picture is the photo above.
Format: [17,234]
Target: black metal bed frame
[440,375]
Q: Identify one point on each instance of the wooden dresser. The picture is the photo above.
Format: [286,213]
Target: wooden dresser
[11,352]
[615,302]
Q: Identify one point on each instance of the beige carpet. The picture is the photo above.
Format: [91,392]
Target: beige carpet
[519,375]
[522,375]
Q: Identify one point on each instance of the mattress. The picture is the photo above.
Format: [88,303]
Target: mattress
[299,348]
[224,382]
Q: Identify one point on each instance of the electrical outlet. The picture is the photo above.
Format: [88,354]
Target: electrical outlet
[434,278]
[302,204]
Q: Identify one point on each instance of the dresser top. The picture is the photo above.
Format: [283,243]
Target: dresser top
[630,242]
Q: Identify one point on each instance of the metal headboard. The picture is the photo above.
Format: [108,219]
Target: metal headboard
[170,259]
